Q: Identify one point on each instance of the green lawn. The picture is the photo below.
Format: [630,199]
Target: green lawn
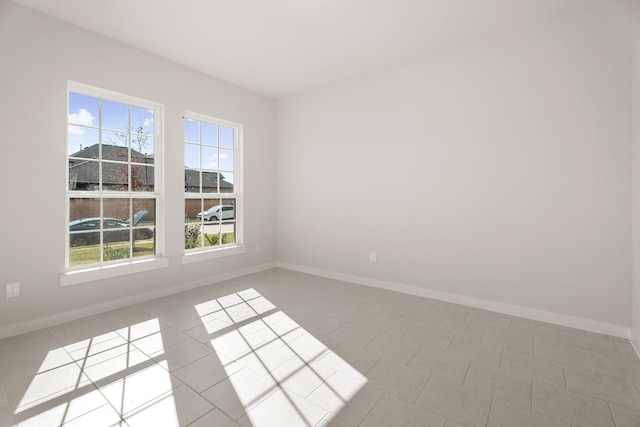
[90,254]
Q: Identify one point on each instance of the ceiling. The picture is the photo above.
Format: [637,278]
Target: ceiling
[279,48]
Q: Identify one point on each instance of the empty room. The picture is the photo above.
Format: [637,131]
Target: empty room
[301,213]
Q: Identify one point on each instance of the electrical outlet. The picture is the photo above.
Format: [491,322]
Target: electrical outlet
[12,289]
[373,257]
[257,247]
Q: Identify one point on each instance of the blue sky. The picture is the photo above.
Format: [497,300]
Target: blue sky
[84,119]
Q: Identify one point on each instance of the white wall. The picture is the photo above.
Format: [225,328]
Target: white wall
[636,174]
[497,170]
[37,55]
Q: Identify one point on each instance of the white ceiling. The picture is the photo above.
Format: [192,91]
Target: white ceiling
[282,47]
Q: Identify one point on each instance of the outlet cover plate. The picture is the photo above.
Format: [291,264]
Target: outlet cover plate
[12,290]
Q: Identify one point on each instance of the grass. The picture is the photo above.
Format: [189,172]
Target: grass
[90,254]
[213,240]
[79,255]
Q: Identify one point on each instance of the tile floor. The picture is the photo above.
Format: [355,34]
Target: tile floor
[281,349]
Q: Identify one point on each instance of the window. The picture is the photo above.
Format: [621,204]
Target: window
[114,165]
[213,204]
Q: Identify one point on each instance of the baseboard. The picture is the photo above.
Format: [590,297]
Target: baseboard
[67,316]
[513,310]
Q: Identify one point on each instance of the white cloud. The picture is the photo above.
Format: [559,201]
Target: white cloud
[212,162]
[82,117]
[75,131]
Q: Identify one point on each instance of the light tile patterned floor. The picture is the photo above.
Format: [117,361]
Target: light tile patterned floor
[281,349]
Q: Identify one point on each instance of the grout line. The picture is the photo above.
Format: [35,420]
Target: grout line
[372,407]
[613,417]
[446,350]
[205,414]
[490,409]
[423,388]
[467,371]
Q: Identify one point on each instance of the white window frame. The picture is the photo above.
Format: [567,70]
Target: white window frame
[105,269]
[212,252]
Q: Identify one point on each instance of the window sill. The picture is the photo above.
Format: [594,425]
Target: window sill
[213,254]
[76,277]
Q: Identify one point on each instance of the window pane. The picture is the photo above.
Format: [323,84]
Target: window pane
[142,149]
[83,109]
[115,176]
[116,237]
[116,213]
[191,181]
[226,182]
[84,230]
[228,233]
[83,209]
[115,146]
[116,246]
[228,209]
[115,115]
[118,139]
[141,121]
[117,232]
[80,140]
[192,236]
[144,212]
[144,243]
[83,175]
[84,239]
[142,178]
[84,248]
[192,207]
[226,160]
[211,211]
[226,137]
[209,182]
[212,234]
[228,226]
[192,130]
[209,158]
[209,134]
[192,156]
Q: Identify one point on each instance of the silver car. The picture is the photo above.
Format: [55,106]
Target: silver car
[217,213]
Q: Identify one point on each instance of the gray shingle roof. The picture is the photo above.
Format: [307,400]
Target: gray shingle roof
[84,171]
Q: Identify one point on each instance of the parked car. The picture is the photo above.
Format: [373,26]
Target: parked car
[217,213]
[86,231]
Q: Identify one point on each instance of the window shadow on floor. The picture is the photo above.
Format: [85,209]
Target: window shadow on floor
[249,351]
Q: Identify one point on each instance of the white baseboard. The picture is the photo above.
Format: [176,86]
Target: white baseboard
[67,316]
[510,309]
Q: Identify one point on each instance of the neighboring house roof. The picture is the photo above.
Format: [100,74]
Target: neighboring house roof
[113,152]
[209,180]
[85,173]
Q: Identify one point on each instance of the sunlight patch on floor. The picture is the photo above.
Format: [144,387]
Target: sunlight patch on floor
[289,378]
[63,391]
